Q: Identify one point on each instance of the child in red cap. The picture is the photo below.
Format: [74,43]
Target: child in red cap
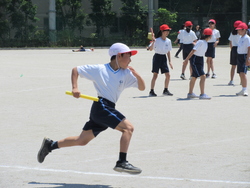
[162,46]
[233,43]
[188,38]
[212,43]
[243,57]
[197,64]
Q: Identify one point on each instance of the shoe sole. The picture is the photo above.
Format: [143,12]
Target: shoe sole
[118,169]
[39,152]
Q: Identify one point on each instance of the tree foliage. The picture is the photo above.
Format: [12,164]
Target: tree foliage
[101,15]
[133,19]
[19,17]
[163,16]
[71,14]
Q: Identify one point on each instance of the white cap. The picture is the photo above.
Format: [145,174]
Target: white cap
[248,23]
[120,48]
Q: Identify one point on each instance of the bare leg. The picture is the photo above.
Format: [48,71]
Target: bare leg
[191,84]
[155,75]
[209,64]
[80,140]
[243,79]
[167,79]
[184,66]
[212,65]
[127,130]
[232,72]
[202,83]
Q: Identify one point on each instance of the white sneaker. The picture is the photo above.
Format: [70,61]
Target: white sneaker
[214,76]
[183,77]
[204,96]
[192,96]
[242,93]
[231,83]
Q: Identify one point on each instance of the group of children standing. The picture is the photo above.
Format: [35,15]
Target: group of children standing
[194,50]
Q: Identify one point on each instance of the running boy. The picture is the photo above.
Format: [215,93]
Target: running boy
[162,46]
[109,80]
[243,57]
[197,64]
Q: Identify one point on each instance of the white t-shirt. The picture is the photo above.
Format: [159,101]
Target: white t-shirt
[108,83]
[234,39]
[215,36]
[188,38]
[179,36]
[243,45]
[162,46]
[200,48]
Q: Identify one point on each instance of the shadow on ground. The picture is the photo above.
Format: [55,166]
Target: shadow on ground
[69,185]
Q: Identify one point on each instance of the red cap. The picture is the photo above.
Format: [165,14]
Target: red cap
[188,23]
[242,26]
[212,20]
[207,31]
[164,27]
[237,23]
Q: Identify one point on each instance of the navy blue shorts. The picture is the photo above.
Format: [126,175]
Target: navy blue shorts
[233,55]
[103,115]
[186,49]
[160,62]
[210,50]
[197,64]
[241,63]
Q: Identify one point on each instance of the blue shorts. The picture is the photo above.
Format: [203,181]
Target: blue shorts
[233,56]
[103,115]
[197,64]
[210,50]
[186,49]
[160,62]
[241,63]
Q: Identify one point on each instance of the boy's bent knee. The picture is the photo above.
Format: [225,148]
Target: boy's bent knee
[125,126]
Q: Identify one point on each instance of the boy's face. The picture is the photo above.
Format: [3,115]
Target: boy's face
[124,60]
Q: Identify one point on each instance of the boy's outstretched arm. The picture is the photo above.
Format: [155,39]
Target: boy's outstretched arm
[74,79]
[141,83]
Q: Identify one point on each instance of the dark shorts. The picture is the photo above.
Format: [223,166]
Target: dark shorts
[82,49]
[210,50]
[103,115]
[197,64]
[160,62]
[241,63]
[233,56]
[186,49]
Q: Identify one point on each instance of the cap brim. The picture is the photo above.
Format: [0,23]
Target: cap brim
[238,28]
[133,52]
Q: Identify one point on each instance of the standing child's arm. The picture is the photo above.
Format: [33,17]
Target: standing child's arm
[141,83]
[189,56]
[169,59]
[74,79]
[248,57]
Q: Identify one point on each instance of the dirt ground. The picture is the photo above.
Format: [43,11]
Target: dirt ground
[178,143]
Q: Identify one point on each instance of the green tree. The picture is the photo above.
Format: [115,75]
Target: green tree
[71,15]
[163,16]
[18,16]
[101,15]
[134,21]
[4,21]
